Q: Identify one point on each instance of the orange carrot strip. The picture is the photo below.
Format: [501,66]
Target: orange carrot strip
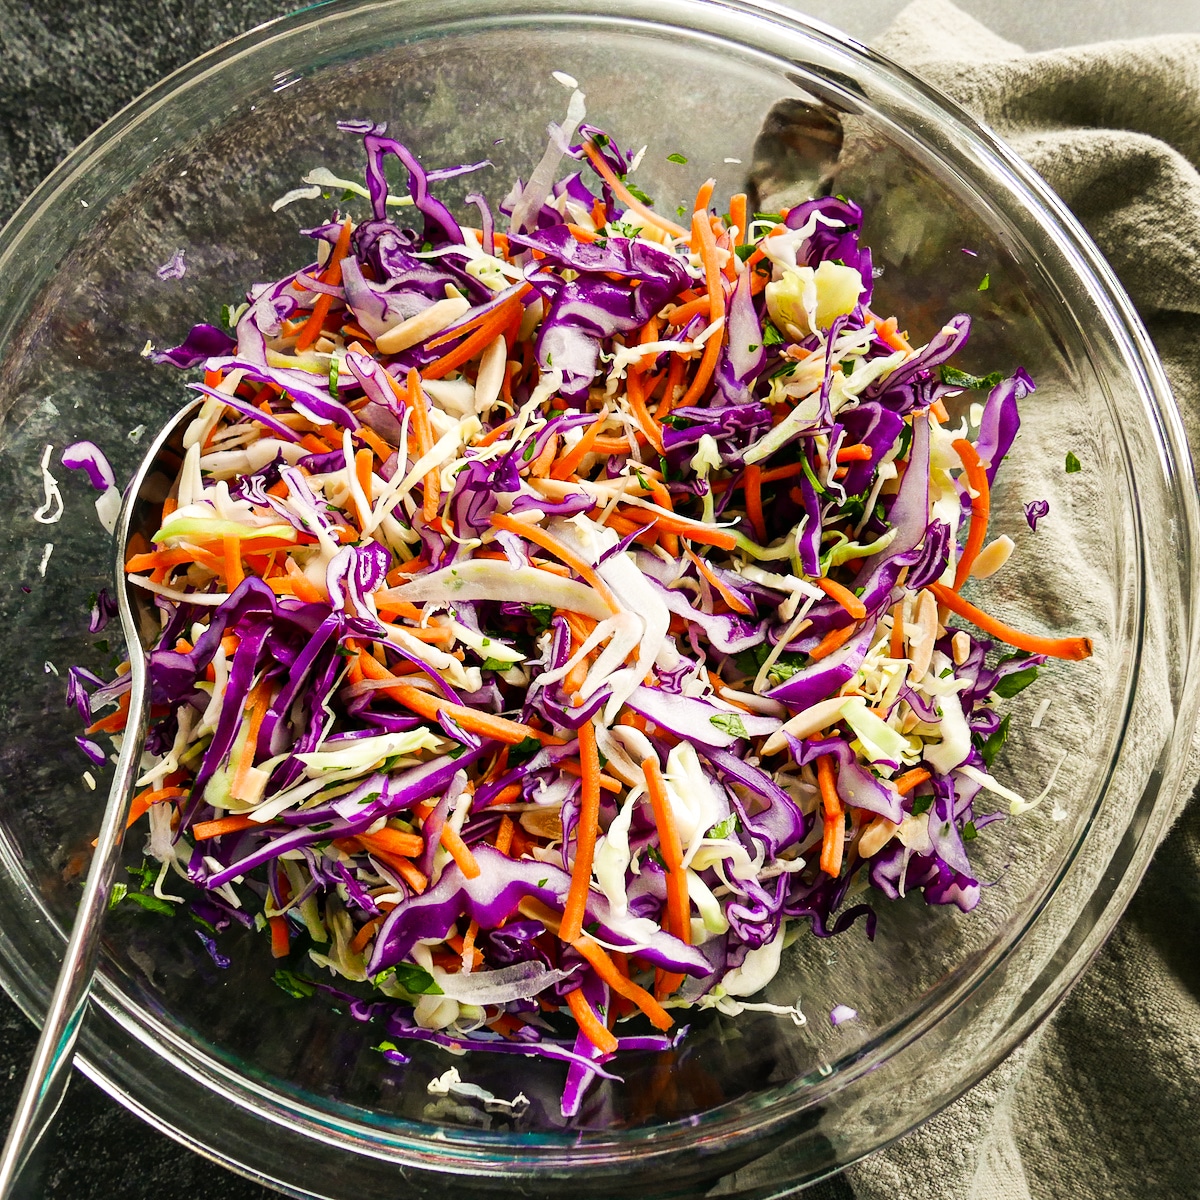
[859,452]
[364,461]
[204,830]
[696,531]
[681,314]
[626,196]
[833,843]
[981,504]
[831,641]
[359,941]
[551,544]
[459,851]
[233,562]
[589,1024]
[331,275]
[469,953]
[723,590]
[420,419]
[827,782]
[497,321]
[114,722]
[280,936]
[504,835]
[896,646]
[414,877]
[843,595]
[888,333]
[494,435]
[473,720]
[635,394]
[259,703]
[142,802]
[703,235]
[1074,648]
[911,779]
[565,467]
[752,482]
[604,966]
[304,587]
[737,217]
[393,841]
[585,835]
[607,782]
[671,388]
[678,907]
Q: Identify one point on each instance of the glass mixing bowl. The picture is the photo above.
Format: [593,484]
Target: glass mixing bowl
[291,1092]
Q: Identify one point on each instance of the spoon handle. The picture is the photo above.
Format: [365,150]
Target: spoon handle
[50,1072]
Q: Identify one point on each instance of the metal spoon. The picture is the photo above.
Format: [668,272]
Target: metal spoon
[49,1073]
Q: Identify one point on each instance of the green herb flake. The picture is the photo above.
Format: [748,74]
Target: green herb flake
[677,158]
[1073,464]
[969,832]
[637,193]
[985,282]
[152,903]
[953,377]
[991,746]
[118,893]
[730,723]
[1010,685]
[921,804]
[542,882]
[771,335]
[495,664]
[525,749]
[542,615]
[416,980]
[743,252]
[295,985]
[723,828]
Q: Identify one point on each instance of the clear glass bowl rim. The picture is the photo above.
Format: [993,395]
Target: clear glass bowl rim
[715,19]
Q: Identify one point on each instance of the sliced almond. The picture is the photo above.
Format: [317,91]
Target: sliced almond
[425,324]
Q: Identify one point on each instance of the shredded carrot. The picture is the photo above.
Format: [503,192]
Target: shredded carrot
[896,646]
[415,399]
[567,464]
[843,595]
[589,1024]
[859,452]
[570,767]
[671,849]
[359,941]
[415,878]
[831,641]
[506,313]
[723,590]
[833,839]
[504,835]
[302,586]
[702,236]
[114,722]
[671,388]
[681,314]
[331,275]
[752,482]
[1074,648]
[888,333]
[626,196]
[459,851]
[364,462]
[472,720]
[911,779]
[280,936]
[604,966]
[738,217]
[704,197]
[393,841]
[203,830]
[585,835]
[635,394]
[257,706]
[551,544]
[696,531]
[981,504]
[494,435]
[142,802]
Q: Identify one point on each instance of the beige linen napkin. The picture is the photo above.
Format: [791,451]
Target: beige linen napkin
[1103,1102]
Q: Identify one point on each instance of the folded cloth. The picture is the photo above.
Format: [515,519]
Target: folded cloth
[1102,1101]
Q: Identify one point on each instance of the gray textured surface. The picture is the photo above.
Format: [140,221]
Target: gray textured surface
[64,70]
